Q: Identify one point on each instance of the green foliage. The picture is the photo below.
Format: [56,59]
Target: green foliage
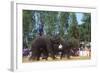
[73,28]
[50,22]
[85,28]
[27,25]
[65,23]
[27,21]
[73,43]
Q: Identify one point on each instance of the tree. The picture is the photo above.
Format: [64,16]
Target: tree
[64,24]
[85,28]
[73,32]
[73,28]
[27,25]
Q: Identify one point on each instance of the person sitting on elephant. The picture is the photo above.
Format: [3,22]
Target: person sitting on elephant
[41,26]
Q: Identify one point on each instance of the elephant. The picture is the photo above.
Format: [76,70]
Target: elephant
[44,47]
[62,51]
[39,48]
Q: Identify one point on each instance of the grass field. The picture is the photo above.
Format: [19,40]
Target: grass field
[26,59]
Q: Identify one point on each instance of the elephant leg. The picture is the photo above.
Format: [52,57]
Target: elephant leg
[38,55]
[45,54]
[68,54]
[53,56]
[62,54]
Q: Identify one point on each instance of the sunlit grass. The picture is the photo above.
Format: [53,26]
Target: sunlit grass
[26,59]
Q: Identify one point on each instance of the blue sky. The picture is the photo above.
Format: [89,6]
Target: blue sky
[79,17]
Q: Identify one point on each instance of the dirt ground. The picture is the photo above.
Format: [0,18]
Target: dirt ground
[26,59]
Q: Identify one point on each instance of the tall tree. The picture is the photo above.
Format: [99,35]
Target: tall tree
[85,28]
[64,23]
[73,28]
[49,19]
[27,24]
[73,31]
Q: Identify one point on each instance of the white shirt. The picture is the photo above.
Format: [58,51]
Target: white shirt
[60,46]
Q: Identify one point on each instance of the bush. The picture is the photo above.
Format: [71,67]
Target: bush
[73,43]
